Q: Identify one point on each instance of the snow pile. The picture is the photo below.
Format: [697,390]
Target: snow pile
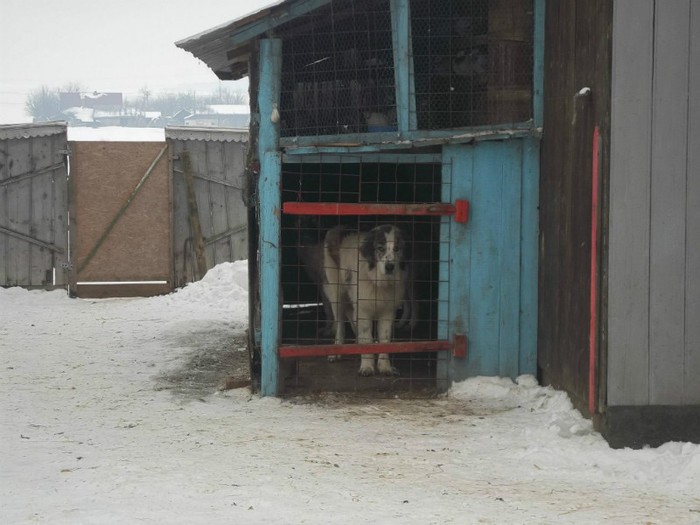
[91,435]
[222,294]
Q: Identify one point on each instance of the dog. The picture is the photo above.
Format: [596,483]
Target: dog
[311,256]
[365,281]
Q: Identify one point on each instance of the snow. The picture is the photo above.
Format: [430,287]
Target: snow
[102,422]
[115,134]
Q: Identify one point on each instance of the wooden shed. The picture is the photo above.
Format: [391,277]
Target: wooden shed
[426,115]
[619,301]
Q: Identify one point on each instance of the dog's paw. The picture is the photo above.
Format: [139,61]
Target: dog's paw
[333,358]
[384,368]
[366,370]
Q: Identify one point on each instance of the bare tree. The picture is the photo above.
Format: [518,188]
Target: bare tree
[43,104]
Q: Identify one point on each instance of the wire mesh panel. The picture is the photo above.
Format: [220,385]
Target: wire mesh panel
[309,316]
[337,72]
[472,62]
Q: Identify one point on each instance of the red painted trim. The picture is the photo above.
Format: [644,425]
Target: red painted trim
[378,348]
[461,210]
[335,208]
[460,346]
[594,271]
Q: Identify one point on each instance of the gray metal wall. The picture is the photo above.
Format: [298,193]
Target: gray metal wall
[33,205]
[654,255]
[218,168]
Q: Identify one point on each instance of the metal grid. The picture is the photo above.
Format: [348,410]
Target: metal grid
[307,317]
[337,70]
[472,62]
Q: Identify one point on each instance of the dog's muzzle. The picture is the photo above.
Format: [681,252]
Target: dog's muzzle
[389,267]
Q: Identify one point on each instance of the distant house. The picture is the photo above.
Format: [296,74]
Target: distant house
[221,116]
[89,109]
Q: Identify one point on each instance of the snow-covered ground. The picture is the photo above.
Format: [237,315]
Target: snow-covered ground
[105,420]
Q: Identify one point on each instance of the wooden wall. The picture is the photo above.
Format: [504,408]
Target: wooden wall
[33,206]
[654,290]
[217,163]
[577,55]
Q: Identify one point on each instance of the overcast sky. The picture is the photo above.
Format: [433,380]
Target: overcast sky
[106,45]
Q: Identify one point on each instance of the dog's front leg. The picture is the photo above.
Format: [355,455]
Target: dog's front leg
[384,367]
[339,313]
[364,337]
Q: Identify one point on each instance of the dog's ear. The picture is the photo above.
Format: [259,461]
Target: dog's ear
[367,248]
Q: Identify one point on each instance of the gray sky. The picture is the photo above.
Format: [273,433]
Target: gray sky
[115,45]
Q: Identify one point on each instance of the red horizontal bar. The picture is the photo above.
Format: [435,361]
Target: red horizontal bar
[377,348]
[337,208]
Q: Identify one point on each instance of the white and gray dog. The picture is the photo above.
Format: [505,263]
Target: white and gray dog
[365,280]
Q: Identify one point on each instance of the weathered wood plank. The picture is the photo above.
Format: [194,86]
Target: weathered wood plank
[60,215]
[528,256]
[183,262]
[217,195]
[510,165]
[194,215]
[455,257]
[200,168]
[630,186]
[41,259]
[668,189]
[19,212]
[692,286]
[487,226]
[4,214]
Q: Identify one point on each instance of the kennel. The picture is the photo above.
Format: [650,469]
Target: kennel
[422,114]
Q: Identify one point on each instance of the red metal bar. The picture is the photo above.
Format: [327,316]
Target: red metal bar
[594,271]
[377,348]
[336,208]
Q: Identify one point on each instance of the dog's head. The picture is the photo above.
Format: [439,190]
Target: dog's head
[384,247]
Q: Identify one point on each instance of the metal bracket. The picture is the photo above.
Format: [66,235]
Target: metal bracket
[459,345]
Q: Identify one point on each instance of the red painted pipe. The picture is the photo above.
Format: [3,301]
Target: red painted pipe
[337,208]
[594,271]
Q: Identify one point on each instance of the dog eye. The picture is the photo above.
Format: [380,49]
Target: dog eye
[381,248]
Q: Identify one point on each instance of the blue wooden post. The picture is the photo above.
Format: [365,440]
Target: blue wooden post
[529,226]
[269,213]
[530,207]
[403,65]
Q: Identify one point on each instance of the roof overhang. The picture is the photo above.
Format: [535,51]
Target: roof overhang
[226,49]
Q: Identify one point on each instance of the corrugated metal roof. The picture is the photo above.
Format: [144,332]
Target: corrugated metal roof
[228,56]
[208,134]
[25,131]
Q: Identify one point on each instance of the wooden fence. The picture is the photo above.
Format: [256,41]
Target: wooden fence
[33,206]
[208,174]
[145,217]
